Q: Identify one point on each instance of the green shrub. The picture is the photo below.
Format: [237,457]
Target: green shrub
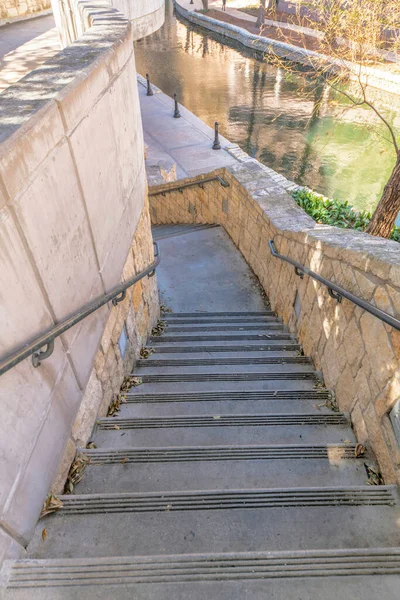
[334,212]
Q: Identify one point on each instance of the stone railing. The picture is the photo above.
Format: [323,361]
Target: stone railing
[16,10]
[73,220]
[358,355]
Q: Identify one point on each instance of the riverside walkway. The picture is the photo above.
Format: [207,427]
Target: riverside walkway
[24,46]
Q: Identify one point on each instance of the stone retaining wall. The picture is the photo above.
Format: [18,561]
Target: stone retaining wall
[386,81]
[73,221]
[15,10]
[358,355]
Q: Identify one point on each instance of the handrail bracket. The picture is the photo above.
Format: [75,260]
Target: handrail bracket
[40,355]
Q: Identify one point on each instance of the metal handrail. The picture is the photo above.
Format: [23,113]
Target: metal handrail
[181,186]
[46,340]
[336,291]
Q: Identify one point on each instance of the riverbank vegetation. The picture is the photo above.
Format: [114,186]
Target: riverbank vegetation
[359,35]
[333,212]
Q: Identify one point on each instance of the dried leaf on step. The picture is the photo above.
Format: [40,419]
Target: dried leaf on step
[44,534]
[374,475]
[116,427]
[130,382]
[146,352]
[91,446]
[165,309]
[168,507]
[216,417]
[159,328]
[123,461]
[76,472]
[52,504]
[359,450]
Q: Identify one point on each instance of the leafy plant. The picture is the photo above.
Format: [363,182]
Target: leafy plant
[335,212]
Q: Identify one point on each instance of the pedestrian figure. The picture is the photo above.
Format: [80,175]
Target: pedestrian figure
[224,5]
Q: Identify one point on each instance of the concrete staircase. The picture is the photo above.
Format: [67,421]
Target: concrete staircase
[224,471]
[226,475]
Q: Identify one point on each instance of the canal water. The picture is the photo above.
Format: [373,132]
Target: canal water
[288,122]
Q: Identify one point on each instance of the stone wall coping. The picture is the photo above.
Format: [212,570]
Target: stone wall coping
[378,78]
[22,103]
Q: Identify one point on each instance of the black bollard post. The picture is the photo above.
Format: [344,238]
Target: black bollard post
[149,90]
[216,144]
[177,114]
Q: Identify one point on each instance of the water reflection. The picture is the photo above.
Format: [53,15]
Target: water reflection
[298,127]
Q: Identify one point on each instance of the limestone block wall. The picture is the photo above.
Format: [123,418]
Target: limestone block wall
[13,10]
[73,222]
[358,355]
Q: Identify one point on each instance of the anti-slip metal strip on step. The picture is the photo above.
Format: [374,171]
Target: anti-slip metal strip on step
[289,347]
[227,500]
[319,396]
[209,362]
[300,420]
[220,338]
[219,453]
[123,571]
[201,377]
[205,315]
[215,328]
[220,320]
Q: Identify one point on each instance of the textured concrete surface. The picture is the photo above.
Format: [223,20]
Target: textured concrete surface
[203,271]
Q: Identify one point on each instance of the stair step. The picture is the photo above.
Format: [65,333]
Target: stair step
[232,474]
[206,315]
[197,529]
[225,420]
[175,320]
[228,337]
[215,402]
[208,436]
[238,327]
[104,456]
[348,574]
[227,376]
[314,395]
[222,500]
[187,347]
[225,360]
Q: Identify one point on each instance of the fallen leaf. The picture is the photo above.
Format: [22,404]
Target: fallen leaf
[216,417]
[52,504]
[123,461]
[44,534]
[359,450]
[116,427]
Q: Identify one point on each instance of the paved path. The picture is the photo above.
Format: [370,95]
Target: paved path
[186,142]
[24,46]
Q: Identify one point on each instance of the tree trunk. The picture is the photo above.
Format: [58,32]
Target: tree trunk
[386,212]
[261,14]
[205,4]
